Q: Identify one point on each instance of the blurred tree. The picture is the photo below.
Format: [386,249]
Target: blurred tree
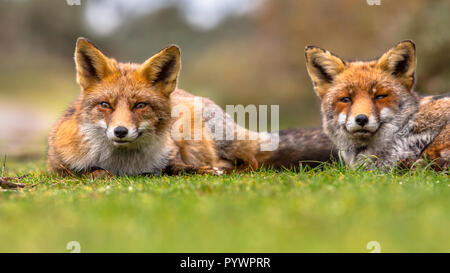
[429,29]
[40,27]
[253,59]
[267,65]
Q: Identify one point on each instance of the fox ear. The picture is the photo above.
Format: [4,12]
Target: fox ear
[322,67]
[400,61]
[162,69]
[92,66]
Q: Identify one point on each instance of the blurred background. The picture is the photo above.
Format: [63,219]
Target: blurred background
[233,51]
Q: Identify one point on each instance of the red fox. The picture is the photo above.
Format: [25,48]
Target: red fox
[371,112]
[123,124]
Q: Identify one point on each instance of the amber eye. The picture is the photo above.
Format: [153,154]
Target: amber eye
[105,105]
[140,105]
[379,97]
[346,99]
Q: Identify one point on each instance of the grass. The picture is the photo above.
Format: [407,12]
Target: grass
[330,210]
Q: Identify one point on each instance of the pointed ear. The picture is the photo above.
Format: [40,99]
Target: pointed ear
[162,69]
[92,66]
[322,67]
[400,61]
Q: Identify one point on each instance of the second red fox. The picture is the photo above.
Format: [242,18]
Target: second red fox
[372,114]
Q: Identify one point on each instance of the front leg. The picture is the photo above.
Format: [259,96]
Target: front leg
[180,169]
[177,166]
[438,152]
[97,173]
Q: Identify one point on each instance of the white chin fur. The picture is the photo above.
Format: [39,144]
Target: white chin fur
[149,154]
[122,143]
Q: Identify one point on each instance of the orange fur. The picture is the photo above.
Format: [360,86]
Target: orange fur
[138,98]
[370,109]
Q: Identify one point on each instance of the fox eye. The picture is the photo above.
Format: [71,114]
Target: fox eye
[379,97]
[140,105]
[346,99]
[105,105]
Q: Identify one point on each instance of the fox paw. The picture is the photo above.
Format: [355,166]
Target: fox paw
[210,170]
[98,174]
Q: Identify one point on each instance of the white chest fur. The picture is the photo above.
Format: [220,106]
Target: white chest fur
[387,153]
[149,155]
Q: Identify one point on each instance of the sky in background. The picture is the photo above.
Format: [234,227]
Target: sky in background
[104,16]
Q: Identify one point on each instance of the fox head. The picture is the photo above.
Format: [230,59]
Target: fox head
[123,103]
[364,101]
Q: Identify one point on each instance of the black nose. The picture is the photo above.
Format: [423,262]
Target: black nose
[120,131]
[361,120]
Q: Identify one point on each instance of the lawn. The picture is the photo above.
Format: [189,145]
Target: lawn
[329,210]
